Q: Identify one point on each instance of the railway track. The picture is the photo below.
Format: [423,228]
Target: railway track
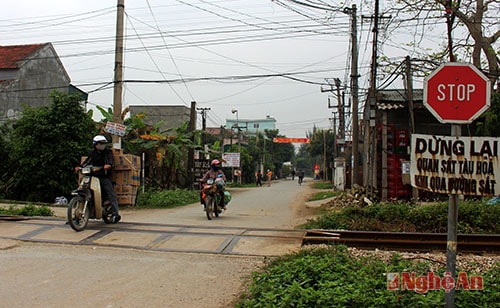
[257,241]
[408,241]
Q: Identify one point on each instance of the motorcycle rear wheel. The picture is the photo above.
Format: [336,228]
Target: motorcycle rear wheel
[210,207]
[78,213]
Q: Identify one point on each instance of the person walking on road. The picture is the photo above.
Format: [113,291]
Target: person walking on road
[269,175]
[258,178]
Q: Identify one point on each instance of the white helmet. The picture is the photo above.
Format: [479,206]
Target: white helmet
[99,138]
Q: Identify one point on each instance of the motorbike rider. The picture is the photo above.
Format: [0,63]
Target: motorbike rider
[100,155]
[215,172]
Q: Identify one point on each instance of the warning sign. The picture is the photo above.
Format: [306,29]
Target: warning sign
[115,129]
[455,165]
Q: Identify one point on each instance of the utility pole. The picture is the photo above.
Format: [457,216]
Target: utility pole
[409,95]
[191,129]
[370,164]
[341,109]
[354,92]
[341,130]
[118,78]
[372,104]
[203,112]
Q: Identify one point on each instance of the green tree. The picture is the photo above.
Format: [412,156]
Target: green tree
[44,144]
[489,123]
[277,153]
[303,160]
[322,148]
[8,165]
[475,30]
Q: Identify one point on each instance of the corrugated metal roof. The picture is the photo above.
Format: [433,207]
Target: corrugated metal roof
[397,99]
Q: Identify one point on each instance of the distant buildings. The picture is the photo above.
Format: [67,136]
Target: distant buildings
[171,117]
[252,126]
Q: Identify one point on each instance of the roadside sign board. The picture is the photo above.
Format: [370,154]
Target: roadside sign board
[201,166]
[115,128]
[231,160]
[457,93]
[455,165]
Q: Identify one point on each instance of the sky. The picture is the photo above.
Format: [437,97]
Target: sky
[260,57]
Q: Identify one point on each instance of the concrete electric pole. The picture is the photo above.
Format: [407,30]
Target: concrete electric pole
[118,78]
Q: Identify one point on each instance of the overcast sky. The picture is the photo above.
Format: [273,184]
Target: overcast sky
[257,56]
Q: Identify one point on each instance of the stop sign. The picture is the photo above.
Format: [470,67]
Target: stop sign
[456,93]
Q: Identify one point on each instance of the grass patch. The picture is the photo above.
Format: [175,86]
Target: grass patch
[323,195]
[167,198]
[322,185]
[27,210]
[331,277]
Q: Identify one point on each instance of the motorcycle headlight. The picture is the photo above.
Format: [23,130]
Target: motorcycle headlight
[86,170]
[210,181]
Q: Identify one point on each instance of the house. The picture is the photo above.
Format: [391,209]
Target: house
[397,118]
[169,117]
[252,126]
[28,73]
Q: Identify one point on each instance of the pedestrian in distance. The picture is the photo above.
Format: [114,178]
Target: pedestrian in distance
[269,175]
[258,178]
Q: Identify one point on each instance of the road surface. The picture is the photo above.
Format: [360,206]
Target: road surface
[54,275]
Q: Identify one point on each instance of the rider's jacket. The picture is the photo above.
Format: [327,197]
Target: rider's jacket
[212,174]
[100,158]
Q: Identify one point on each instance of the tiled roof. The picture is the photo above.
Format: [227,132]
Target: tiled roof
[10,55]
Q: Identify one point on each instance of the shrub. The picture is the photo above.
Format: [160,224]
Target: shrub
[167,198]
[331,277]
[27,210]
[473,217]
[430,218]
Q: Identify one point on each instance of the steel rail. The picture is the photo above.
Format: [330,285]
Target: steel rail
[412,241]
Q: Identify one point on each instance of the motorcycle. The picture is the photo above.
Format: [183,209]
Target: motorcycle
[87,202]
[212,199]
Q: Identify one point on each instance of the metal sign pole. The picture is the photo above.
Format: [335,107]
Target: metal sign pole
[451,241]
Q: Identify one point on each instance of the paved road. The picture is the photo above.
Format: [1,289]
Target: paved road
[48,275]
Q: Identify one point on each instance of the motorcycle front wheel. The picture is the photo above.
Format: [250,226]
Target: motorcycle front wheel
[78,213]
[210,207]
[217,208]
[107,215]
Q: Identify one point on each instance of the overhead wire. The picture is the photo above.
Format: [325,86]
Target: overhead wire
[169,53]
[296,32]
[153,61]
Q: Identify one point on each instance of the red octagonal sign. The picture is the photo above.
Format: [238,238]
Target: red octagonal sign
[456,93]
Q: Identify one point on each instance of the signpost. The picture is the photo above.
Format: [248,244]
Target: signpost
[455,93]
[231,160]
[115,128]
